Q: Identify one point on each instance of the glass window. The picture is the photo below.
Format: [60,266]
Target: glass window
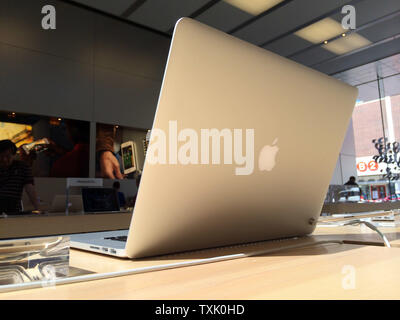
[52,147]
[375,162]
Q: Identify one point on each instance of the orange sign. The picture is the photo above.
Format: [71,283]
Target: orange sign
[373,166]
[362,166]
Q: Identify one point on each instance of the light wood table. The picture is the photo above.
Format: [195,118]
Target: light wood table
[360,233]
[319,271]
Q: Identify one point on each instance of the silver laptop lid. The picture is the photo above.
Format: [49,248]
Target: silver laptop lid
[281,125]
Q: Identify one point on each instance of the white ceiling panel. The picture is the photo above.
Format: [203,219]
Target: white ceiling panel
[163,14]
[115,7]
[224,16]
[287,18]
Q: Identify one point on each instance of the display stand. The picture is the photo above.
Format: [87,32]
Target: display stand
[79,182]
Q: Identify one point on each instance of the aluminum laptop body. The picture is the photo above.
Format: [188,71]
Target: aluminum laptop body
[298,118]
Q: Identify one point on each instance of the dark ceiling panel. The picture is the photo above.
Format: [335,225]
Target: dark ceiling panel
[288,45]
[224,17]
[313,56]
[369,10]
[382,30]
[375,53]
[379,32]
[115,7]
[163,14]
[132,8]
[289,17]
[384,25]
[273,30]
[375,33]
[385,68]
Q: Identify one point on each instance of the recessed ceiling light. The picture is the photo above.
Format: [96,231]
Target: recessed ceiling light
[347,44]
[254,7]
[318,32]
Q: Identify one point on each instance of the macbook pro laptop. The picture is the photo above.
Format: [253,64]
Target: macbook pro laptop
[100,200]
[243,146]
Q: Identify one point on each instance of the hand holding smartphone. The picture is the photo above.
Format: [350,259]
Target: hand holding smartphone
[129,157]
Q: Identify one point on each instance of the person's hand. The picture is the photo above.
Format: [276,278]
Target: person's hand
[109,166]
[53,149]
[27,158]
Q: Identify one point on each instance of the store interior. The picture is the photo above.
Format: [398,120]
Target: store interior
[103,67]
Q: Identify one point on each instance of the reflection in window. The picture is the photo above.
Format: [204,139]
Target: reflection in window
[120,151]
[52,147]
[120,154]
[376,116]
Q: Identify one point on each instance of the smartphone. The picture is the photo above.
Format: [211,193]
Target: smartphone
[129,157]
[37,146]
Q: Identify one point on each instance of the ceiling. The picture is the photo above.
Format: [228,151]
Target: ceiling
[366,77]
[385,68]
[274,29]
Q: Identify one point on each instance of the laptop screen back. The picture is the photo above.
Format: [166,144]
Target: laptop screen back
[100,200]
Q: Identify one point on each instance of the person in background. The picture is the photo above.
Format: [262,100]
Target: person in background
[108,163]
[351,182]
[121,196]
[74,163]
[15,177]
[138,176]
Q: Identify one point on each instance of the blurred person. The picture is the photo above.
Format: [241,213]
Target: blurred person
[15,177]
[108,164]
[27,158]
[351,182]
[121,195]
[137,177]
[74,163]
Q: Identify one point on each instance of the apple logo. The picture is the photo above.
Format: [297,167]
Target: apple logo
[266,159]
